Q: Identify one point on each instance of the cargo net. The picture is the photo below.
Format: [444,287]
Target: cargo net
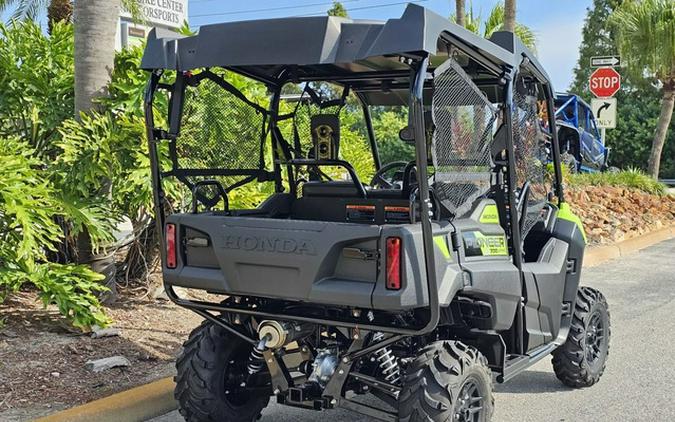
[531,157]
[464,123]
[219,132]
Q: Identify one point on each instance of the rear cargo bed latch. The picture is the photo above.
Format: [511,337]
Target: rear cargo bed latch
[357,253]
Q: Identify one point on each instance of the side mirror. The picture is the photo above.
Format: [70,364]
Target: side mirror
[407,135]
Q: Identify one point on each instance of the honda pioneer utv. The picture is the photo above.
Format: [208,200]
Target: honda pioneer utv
[413,245]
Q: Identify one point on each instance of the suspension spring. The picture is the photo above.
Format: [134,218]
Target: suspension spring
[387,362]
[256,360]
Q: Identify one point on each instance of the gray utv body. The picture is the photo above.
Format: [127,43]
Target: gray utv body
[501,269]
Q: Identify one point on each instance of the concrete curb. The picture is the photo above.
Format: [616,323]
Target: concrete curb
[138,404]
[155,399]
[598,254]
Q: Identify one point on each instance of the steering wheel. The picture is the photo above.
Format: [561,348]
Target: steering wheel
[379,180]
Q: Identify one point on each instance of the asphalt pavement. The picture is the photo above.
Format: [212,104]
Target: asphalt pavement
[639,382]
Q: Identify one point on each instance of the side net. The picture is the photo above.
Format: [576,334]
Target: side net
[531,156]
[464,121]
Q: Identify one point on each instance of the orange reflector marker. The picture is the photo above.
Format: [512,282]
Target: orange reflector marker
[171,245]
[393,280]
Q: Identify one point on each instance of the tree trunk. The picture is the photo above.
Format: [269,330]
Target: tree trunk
[460,13]
[667,104]
[509,16]
[95,26]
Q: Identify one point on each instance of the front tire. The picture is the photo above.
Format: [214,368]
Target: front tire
[210,370]
[580,362]
[447,381]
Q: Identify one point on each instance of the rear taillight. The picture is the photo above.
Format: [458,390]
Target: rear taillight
[170,245]
[393,263]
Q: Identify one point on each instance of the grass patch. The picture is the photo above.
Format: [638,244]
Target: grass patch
[631,178]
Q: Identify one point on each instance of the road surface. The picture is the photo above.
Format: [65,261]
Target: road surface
[639,382]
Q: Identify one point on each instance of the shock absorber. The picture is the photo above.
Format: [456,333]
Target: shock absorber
[256,360]
[387,362]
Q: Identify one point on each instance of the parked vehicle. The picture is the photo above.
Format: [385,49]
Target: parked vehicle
[454,267]
[581,145]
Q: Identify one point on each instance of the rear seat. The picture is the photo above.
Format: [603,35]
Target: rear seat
[339,201]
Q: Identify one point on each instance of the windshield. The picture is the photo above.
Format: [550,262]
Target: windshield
[388,121]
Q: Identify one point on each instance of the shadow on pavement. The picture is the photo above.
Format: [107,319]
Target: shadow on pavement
[532,382]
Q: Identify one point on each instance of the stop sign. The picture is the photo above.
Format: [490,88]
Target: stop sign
[604,82]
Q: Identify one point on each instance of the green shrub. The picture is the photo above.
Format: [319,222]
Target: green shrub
[28,205]
[37,77]
[631,178]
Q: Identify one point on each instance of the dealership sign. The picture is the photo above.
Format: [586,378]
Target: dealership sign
[164,13]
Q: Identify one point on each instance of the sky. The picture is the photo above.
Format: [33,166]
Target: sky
[557,23]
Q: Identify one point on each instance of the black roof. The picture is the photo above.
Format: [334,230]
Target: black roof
[329,46]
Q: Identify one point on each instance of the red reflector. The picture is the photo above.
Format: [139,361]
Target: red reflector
[170,245]
[394,263]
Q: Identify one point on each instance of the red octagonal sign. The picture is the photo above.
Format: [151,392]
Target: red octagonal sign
[604,82]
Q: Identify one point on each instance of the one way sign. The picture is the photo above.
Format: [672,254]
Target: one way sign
[605,61]
[604,110]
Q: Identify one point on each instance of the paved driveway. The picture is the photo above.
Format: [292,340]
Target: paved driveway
[639,382]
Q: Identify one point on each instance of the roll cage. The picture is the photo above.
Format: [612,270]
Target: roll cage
[369,59]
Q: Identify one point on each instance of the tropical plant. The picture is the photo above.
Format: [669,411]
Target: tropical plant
[338,9]
[36,75]
[646,39]
[28,204]
[494,23]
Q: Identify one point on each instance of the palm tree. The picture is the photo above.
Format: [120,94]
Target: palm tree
[646,40]
[460,12]
[494,23]
[95,25]
[24,9]
[509,16]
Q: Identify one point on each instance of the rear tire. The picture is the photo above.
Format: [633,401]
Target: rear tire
[581,361]
[447,381]
[210,369]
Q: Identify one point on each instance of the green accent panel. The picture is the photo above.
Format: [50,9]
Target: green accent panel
[489,215]
[565,213]
[492,244]
[442,244]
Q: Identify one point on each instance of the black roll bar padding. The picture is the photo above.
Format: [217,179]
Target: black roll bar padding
[550,109]
[514,217]
[417,102]
[341,163]
[157,192]
[208,182]
[523,197]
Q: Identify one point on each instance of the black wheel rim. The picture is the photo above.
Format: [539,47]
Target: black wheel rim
[240,388]
[469,407]
[595,339]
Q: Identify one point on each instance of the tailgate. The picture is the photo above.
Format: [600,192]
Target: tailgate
[322,262]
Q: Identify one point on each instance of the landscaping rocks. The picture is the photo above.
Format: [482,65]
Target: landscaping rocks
[105,332]
[104,364]
[614,214]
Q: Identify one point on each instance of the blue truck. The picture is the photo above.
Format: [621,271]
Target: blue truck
[581,145]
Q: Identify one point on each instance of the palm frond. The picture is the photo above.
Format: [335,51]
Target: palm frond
[133,7]
[646,37]
[494,21]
